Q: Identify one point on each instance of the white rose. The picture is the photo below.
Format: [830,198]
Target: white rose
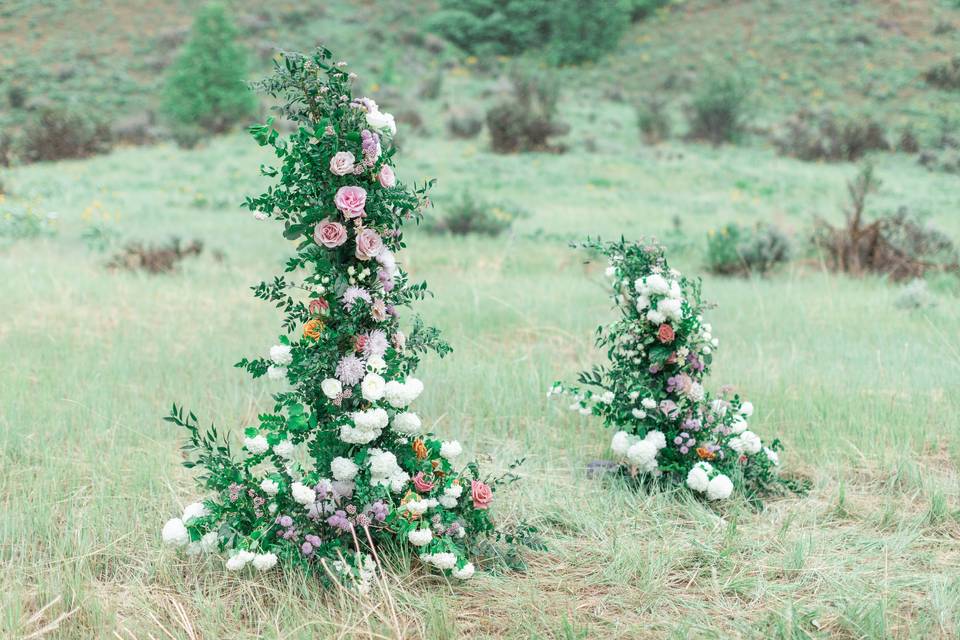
[746,409]
[372,387]
[256,445]
[270,487]
[342,163]
[719,488]
[331,388]
[381,121]
[175,533]
[772,455]
[344,469]
[281,355]
[303,494]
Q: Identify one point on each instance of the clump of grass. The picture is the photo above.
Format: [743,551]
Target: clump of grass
[527,119]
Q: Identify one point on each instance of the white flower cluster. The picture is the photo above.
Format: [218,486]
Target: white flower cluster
[639,452]
[385,471]
[419,507]
[260,561]
[450,496]
[407,423]
[668,307]
[420,537]
[175,531]
[361,575]
[303,494]
[280,355]
[442,561]
[717,487]
[367,426]
[402,394]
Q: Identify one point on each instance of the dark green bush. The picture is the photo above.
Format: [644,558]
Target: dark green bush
[58,133]
[718,112]
[945,75]
[571,31]
[653,120]
[738,250]
[474,216]
[205,91]
[527,119]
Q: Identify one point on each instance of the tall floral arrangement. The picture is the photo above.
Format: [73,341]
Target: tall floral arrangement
[344,464]
[660,348]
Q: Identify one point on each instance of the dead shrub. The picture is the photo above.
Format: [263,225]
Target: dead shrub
[166,258]
[822,135]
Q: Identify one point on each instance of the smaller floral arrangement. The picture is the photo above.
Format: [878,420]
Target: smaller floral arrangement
[667,425]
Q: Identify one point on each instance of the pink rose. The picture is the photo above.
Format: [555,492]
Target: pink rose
[421,484]
[342,163]
[386,176]
[330,234]
[481,493]
[351,201]
[369,244]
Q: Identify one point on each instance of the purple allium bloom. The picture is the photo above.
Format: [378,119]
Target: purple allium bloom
[371,147]
[378,511]
[306,548]
[694,362]
[692,424]
[312,539]
[654,369]
[376,344]
[342,489]
[339,521]
[684,449]
[678,440]
[691,442]
[363,520]
[350,370]
[285,521]
[323,488]
[354,293]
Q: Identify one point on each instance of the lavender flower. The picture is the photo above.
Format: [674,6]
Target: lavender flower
[354,293]
[376,344]
[350,370]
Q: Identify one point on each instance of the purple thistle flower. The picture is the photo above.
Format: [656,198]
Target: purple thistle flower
[350,370]
[376,344]
[354,293]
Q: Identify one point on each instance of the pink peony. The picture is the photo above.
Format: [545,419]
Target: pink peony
[342,163]
[350,201]
[369,244]
[421,484]
[481,493]
[386,176]
[330,234]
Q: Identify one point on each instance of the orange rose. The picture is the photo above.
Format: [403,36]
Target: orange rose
[705,454]
[313,328]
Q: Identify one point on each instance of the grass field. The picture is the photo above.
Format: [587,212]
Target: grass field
[864,395]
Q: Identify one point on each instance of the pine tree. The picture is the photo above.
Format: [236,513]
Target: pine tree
[651,392]
[342,465]
[205,90]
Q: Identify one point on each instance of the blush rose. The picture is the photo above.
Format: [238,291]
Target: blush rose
[481,493]
[351,201]
[330,234]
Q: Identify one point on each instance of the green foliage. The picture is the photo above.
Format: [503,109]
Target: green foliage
[57,133]
[640,9]
[205,90]
[740,250]
[719,109]
[23,223]
[472,215]
[945,75]
[653,120]
[571,31]
[527,119]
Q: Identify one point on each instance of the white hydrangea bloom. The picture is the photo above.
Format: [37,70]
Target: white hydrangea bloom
[256,445]
[450,450]
[407,423]
[442,561]
[270,487]
[284,449]
[655,317]
[264,561]
[281,354]
[465,572]
[638,413]
[175,533]
[331,388]
[276,373]
[419,507]
[303,494]
[648,403]
[656,438]
[607,397]
[643,454]
[194,510]
[343,469]
[657,284]
[670,308]
[420,537]
[239,560]
[620,443]
[642,303]
[719,488]
[747,442]
[699,476]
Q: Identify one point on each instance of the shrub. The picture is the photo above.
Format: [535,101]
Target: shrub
[640,9]
[897,245]
[432,86]
[205,89]
[55,133]
[584,30]
[945,75]
[164,258]
[471,215]
[527,119]
[908,142]
[653,120]
[737,250]
[810,135]
[571,31]
[464,123]
[915,295]
[718,111]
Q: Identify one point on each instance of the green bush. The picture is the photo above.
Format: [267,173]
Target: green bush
[945,75]
[718,112]
[653,120]
[205,91]
[471,215]
[738,250]
[527,119]
[571,31]
[56,133]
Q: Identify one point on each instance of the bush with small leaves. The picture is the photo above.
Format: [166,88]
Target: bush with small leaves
[653,120]
[470,215]
[822,135]
[58,133]
[718,112]
[739,250]
[527,119]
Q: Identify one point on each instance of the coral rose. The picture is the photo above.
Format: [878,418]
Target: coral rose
[330,234]
[481,493]
[351,201]
[421,484]
[665,334]
[313,328]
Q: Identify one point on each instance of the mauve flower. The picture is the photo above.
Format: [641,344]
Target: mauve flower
[351,201]
[421,484]
[386,177]
[376,343]
[369,244]
[330,234]
[342,163]
[669,408]
[354,293]
[378,310]
[481,493]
